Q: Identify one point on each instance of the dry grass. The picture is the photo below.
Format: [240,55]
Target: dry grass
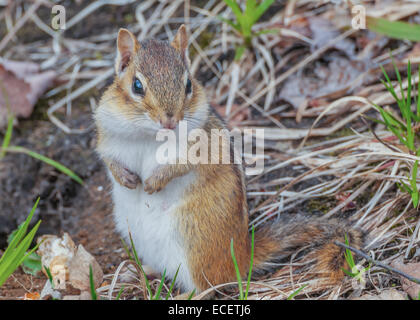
[355,170]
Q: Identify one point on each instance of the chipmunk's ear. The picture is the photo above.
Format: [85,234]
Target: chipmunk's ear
[127,45]
[180,43]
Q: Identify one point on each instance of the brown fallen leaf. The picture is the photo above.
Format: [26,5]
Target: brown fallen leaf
[413,269]
[320,80]
[79,270]
[21,85]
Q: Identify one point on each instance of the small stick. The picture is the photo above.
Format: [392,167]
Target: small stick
[19,24]
[415,233]
[367,257]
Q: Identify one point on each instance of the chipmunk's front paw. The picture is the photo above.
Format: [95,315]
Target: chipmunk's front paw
[128,179]
[124,177]
[153,184]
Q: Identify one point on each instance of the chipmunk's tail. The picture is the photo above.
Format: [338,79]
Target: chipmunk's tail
[309,242]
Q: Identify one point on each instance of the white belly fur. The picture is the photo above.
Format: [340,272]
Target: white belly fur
[151,219]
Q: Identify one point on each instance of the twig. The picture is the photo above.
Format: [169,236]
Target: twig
[412,240]
[368,258]
[19,24]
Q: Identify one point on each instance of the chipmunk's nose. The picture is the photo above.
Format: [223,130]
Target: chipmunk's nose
[169,123]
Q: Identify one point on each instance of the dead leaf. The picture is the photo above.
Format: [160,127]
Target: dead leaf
[21,85]
[31,296]
[323,31]
[321,79]
[48,292]
[413,269]
[79,270]
[56,254]
[85,295]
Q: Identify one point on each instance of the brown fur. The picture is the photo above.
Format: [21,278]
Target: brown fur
[214,209]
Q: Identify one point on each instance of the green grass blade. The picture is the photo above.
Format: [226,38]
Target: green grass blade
[20,233]
[137,260]
[397,72]
[348,273]
[10,118]
[92,284]
[7,136]
[391,90]
[231,23]
[238,274]
[408,103]
[249,13]
[16,257]
[251,264]
[236,9]
[373,119]
[251,4]
[350,259]
[48,161]
[172,284]
[120,293]
[388,84]
[263,7]
[404,187]
[294,294]
[390,121]
[49,276]
[239,52]
[191,295]
[250,7]
[267,31]
[159,290]
[126,249]
[394,29]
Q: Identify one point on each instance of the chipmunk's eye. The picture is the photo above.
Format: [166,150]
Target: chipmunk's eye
[138,87]
[188,87]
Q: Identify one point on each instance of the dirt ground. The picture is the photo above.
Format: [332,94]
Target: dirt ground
[65,206]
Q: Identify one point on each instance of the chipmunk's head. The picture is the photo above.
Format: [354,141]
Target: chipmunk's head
[153,88]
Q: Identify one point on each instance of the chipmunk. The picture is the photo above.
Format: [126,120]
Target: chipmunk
[185,215]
